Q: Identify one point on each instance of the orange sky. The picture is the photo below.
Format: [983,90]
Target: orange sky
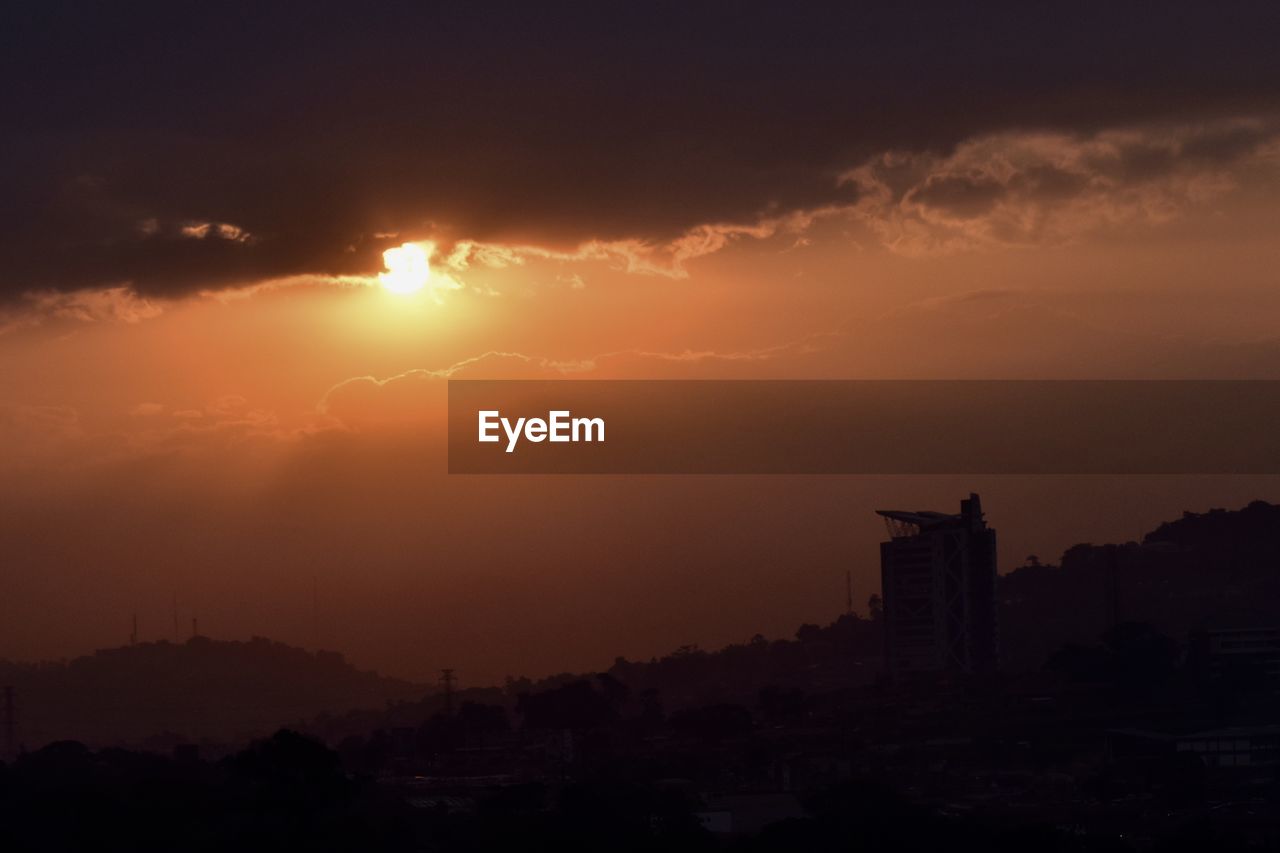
[233,447]
[207,395]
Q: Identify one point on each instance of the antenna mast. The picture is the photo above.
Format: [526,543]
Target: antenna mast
[315,612]
[447,679]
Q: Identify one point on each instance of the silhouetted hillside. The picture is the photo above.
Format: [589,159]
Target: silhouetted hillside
[1244,541]
[200,689]
[781,674]
[845,653]
[1219,568]
[1216,568]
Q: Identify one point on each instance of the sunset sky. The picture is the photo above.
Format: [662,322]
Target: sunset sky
[209,392]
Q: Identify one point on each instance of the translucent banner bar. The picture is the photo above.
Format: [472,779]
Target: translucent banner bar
[863,427]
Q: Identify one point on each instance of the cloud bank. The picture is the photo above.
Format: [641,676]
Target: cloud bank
[171,149]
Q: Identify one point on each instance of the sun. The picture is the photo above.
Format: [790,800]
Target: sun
[408,268]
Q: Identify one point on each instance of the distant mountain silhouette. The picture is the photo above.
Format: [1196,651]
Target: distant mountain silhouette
[161,693]
[1219,568]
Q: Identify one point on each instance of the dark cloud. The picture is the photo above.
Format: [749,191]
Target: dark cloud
[312,126]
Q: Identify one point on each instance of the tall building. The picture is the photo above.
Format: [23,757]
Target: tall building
[938,579]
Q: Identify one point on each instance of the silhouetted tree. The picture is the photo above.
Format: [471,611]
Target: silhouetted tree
[713,722]
[576,705]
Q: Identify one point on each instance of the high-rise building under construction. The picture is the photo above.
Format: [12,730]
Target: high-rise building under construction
[938,576]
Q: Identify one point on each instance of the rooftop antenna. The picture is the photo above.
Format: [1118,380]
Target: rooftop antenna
[447,679]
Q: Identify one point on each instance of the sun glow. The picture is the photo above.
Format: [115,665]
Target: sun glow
[408,268]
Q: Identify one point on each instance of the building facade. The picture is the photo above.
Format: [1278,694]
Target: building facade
[938,577]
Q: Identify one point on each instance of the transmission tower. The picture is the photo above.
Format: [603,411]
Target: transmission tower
[447,679]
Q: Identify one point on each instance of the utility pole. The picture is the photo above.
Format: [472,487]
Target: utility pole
[447,679]
[315,613]
[1113,563]
[848,593]
[10,724]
